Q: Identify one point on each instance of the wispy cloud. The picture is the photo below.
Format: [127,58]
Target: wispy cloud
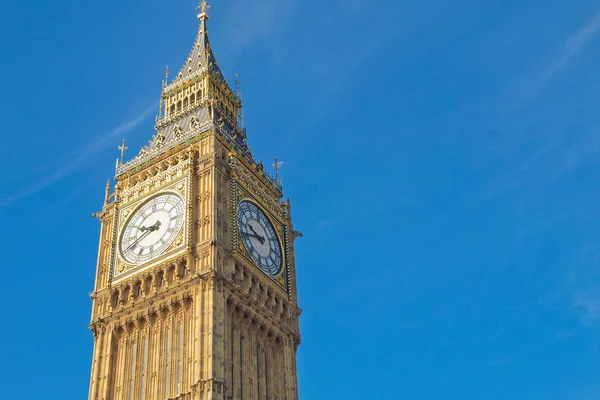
[578,41]
[76,159]
[256,19]
[500,361]
[587,305]
[573,45]
[542,144]
[563,336]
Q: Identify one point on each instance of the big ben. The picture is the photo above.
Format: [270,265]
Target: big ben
[195,291]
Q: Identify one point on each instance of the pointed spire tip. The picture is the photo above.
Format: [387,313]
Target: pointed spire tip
[203,16]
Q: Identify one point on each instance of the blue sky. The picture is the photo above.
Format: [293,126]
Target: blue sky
[442,157]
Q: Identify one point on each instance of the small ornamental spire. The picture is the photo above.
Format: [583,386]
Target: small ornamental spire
[238,93]
[107,193]
[123,148]
[277,165]
[203,16]
[167,74]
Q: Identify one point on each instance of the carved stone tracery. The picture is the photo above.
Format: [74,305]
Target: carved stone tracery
[207,287]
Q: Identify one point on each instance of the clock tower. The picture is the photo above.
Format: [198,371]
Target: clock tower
[195,291]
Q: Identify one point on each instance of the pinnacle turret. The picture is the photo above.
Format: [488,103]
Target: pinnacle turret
[201,59]
[196,100]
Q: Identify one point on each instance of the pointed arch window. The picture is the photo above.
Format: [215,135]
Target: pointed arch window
[232,358]
[241,371]
[258,374]
[266,375]
[167,363]
[179,356]
[132,374]
[144,369]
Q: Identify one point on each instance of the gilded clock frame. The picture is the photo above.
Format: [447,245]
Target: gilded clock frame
[239,194]
[121,268]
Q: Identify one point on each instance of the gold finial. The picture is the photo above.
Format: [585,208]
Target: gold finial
[107,193]
[277,165]
[165,82]
[238,93]
[237,84]
[123,148]
[202,8]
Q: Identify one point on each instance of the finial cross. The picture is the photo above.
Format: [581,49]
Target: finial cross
[123,148]
[237,84]
[203,6]
[166,80]
[277,165]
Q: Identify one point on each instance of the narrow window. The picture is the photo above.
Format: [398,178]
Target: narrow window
[167,363]
[266,376]
[144,366]
[231,336]
[132,376]
[258,368]
[241,367]
[179,355]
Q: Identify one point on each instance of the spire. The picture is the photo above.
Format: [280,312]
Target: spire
[107,193]
[201,58]
[196,100]
[277,165]
[122,148]
[203,16]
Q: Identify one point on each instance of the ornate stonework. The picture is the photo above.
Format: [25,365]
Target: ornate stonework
[199,320]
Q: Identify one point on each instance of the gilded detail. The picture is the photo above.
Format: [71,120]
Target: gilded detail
[192,298]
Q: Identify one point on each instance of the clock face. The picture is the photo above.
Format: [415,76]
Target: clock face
[152,228]
[259,238]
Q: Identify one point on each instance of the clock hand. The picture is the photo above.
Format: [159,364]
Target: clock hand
[151,228]
[147,231]
[260,238]
[138,239]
